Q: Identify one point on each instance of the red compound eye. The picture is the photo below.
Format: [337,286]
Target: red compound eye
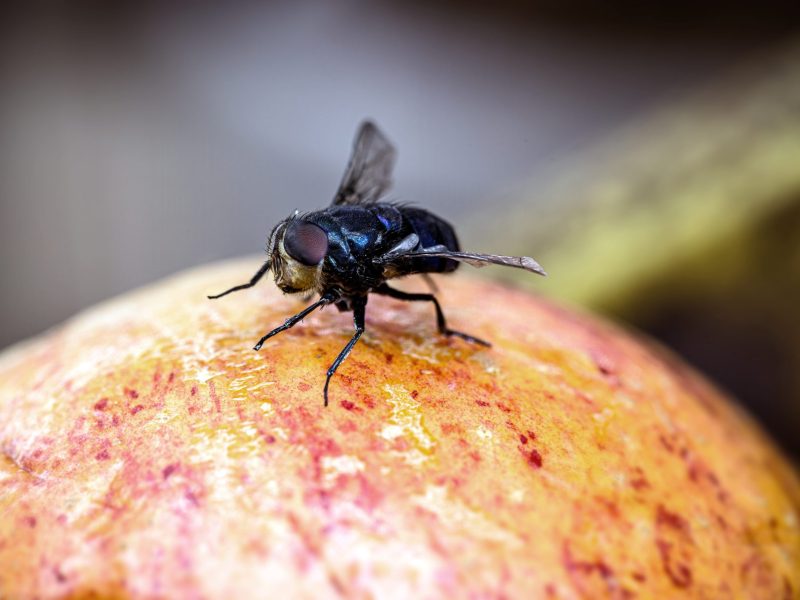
[305,242]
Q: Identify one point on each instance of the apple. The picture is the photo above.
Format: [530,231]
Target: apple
[146,451]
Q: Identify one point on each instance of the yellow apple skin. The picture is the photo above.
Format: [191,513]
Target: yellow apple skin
[149,452]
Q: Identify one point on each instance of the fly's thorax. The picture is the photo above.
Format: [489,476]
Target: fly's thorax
[298,251]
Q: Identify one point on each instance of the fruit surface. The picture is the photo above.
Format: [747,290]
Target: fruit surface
[149,452]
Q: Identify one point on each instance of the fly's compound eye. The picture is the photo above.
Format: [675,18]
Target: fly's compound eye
[305,242]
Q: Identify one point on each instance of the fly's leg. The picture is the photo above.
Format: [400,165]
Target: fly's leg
[359,310]
[244,286]
[292,321]
[385,290]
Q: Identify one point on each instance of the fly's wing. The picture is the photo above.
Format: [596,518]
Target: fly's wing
[369,173]
[402,252]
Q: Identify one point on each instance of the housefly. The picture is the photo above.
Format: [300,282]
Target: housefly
[352,248]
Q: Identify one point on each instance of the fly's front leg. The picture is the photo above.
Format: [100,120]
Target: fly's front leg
[359,311]
[254,280]
[292,321]
[385,290]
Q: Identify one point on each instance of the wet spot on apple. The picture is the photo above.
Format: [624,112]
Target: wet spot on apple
[484,433]
[405,420]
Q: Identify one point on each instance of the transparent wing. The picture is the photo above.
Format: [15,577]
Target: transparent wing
[471,258]
[369,173]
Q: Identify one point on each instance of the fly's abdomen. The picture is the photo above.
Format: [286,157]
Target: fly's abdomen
[432,231]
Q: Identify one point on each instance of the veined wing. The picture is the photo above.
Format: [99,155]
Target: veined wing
[408,249]
[369,173]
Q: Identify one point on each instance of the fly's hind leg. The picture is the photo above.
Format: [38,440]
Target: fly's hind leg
[359,312]
[385,290]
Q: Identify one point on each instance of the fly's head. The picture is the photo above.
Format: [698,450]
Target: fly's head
[297,249]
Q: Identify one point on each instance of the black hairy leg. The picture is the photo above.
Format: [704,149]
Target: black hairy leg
[292,321]
[385,290]
[359,311]
[254,280]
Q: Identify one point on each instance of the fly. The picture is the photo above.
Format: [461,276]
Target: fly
[352,248]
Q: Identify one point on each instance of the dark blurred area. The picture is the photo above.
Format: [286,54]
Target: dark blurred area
[138,139]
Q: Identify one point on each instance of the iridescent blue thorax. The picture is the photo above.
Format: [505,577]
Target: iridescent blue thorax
[358,234]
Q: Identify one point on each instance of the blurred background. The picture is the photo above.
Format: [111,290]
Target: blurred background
[649,157]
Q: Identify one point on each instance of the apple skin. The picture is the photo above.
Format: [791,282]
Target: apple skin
[149,452]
